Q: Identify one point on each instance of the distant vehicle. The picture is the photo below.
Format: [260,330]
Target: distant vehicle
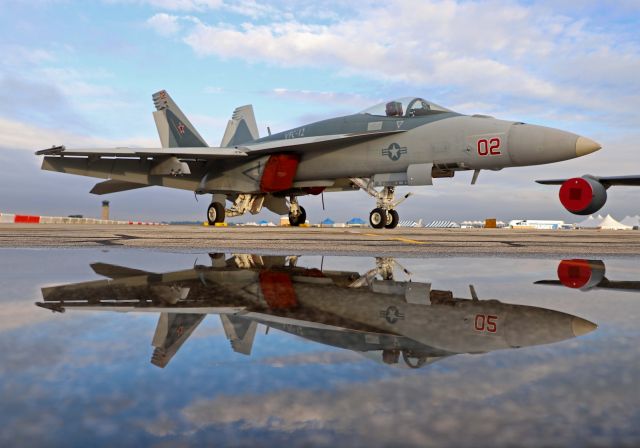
[588,275]
[371,314]
[408,141]
[588,194]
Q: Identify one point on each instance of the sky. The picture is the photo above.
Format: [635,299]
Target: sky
[82,74]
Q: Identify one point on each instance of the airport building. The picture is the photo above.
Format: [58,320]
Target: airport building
[538,224]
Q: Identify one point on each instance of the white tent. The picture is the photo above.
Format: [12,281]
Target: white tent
[632,221]
[608,223]
[589,223]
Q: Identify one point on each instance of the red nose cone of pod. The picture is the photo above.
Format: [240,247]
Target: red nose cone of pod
[576,194]
[574,273]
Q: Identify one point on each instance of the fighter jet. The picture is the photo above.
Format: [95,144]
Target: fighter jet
[588,194]
[588,275]
[371,314]
[408,141]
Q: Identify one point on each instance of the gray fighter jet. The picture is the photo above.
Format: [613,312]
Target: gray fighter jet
[371,314]
[409,141]
[588,194]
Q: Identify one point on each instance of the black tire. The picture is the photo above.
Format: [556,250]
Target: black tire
[215,213]
[378,218]
[394,220]
[295,221]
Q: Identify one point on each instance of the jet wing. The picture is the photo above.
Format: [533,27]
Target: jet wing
[607,181]
[326,142]
[293,144]
[183,153]
[115,186]
[115,271]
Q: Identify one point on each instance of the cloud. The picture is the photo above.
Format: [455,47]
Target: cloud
[314,96]
[19,135]
[181,5]
[495,51]
[433,408]
[164,24]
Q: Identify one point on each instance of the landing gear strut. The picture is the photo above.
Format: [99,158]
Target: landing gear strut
[297,213]
[384,215]
[215,213]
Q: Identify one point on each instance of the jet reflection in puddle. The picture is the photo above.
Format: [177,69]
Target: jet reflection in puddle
[588,275]
[371,313]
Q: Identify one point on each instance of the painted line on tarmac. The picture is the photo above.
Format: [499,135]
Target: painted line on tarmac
[397,238]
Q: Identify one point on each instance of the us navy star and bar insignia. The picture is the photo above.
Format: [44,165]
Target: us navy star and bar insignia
[394,151]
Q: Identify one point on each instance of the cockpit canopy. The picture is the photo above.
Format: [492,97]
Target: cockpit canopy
[405,107]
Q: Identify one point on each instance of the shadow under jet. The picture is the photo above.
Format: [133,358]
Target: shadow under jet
[371,313]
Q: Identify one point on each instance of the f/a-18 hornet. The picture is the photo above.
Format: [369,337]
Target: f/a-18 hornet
[370,314]
[409,141]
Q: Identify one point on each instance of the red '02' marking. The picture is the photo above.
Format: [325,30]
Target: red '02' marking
[489,147]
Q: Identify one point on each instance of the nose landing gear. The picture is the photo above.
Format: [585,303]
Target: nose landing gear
[379,218]
[384,215]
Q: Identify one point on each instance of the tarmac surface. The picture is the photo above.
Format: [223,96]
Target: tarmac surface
[399,242]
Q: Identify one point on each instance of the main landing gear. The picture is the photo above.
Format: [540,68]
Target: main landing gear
[384,215]
[297,213]
[215,213]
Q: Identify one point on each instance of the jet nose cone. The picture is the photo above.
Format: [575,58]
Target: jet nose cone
[533,145]
[586,146]
[581,326]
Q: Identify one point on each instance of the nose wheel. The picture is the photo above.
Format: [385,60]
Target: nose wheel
[384,215]
[379,218]
[392,219]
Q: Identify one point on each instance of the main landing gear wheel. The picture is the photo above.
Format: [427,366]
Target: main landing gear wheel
[301,218]
[378,218]
[392,219]
[215,213]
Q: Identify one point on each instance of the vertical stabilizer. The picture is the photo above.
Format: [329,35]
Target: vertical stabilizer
[172,331]
[240,332]
[242,127]
[174,128]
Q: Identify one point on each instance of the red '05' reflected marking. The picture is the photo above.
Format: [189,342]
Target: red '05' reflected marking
[488,323]
[489,147]
[576,194]
[574,273]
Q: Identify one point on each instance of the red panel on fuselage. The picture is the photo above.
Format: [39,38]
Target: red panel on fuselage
[277,290]
[279,172]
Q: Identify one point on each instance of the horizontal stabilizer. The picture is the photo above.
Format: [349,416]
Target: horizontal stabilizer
[114,186]
[114,271]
